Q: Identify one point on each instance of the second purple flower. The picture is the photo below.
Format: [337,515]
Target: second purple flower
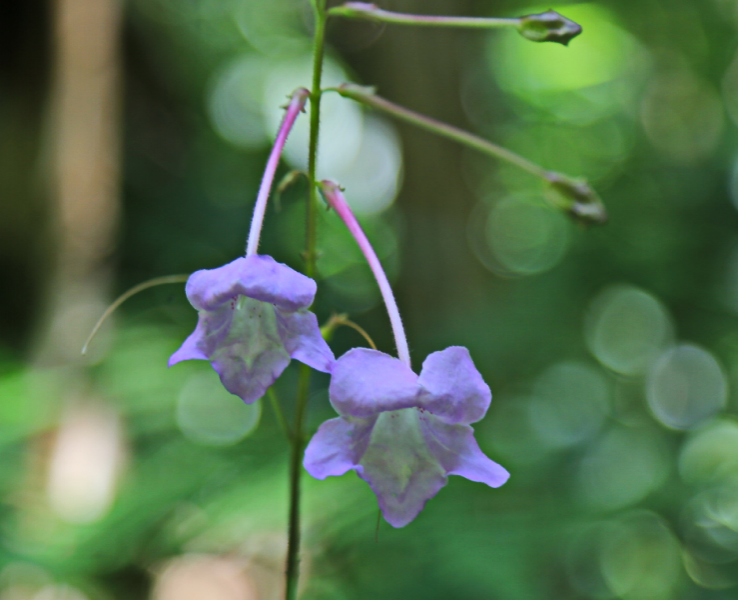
[403,433]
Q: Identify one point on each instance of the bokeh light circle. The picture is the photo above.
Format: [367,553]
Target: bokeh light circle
[642,558]
[511,433]
[709,524]
[58,592]
[709,575]
[583,559]
[234,103]
[605,53]
[209,415]
[373,177]
[341,124]
[200,577]
[627,329]
[621,468]
[682,115]
[710,453]
[686,387]
[570,403]
[526,238]
[362,153]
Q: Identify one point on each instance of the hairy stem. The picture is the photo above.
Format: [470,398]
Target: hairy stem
[365,96]
[296,105]
[334,196]
[548,26]
[292,570]
[315,95]
[574,196]
[362,10]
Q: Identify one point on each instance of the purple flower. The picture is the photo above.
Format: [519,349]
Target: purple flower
[403,433]
[253,318]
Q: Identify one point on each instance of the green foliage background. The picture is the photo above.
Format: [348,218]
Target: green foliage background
[619,489]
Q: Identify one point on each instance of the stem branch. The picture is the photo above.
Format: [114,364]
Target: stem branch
[298,443]
[337,320]
[367,97]
[292,570]
[315,95]
[363,10]
[572,195]
[548,26]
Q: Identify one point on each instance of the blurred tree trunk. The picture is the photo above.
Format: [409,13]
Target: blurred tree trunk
[24,82]
[84,154]
[420,68]
[79,464]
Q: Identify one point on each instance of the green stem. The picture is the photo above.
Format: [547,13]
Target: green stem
[298,443]
[279,414]
[315,95]
[365,96]
[292,570]
[548,26]
[572,195]
[361,10]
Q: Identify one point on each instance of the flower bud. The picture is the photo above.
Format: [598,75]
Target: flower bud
[549,26]
[576,197]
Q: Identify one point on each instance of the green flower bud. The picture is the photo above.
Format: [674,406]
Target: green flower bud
[549,26]
[577,198]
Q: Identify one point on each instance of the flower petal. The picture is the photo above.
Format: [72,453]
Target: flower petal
[303,341]
[190,349]
[458,452]
[212,328]
[452,388]
[399,467]
[242,343]
[256,276]
[337,446]
[365,382]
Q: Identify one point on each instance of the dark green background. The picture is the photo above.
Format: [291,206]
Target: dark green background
[610,511]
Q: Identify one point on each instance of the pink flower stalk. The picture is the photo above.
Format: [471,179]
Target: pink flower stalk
[402,433]
[294,108]
[335,198]
[253,315]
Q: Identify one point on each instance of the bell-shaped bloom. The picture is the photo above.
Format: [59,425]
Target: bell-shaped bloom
[402,433]
[253,319]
